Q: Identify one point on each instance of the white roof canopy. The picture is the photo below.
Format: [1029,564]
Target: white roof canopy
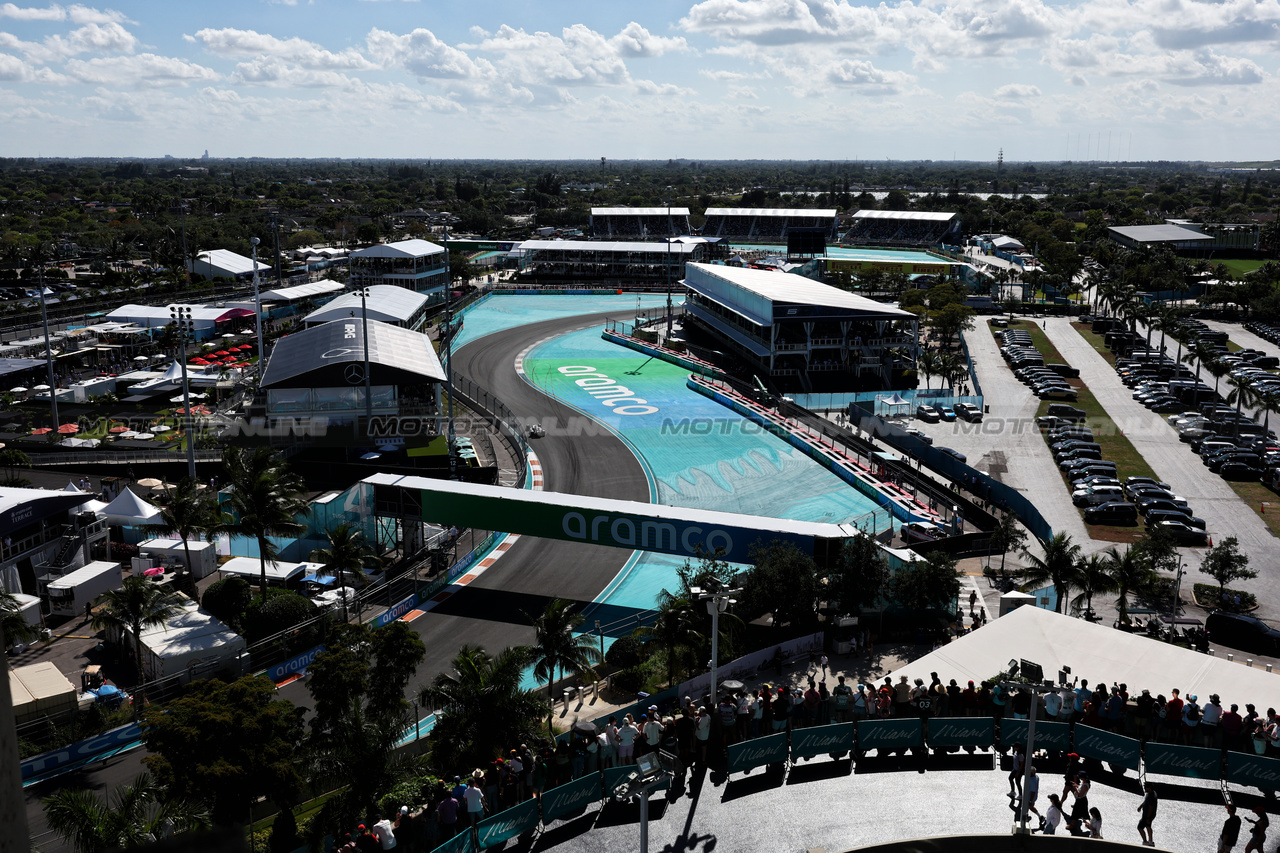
[128,508]
[400,250]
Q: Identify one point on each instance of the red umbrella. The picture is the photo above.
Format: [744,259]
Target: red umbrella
[69,429]
[41,431]
[118,429]
[244,346]
[199,361]
[221,352]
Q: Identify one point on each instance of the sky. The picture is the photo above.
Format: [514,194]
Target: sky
[715,79]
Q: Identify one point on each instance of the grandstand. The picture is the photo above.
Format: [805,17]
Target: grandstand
[598,261]
[767,224]
[638,223]
[903,228]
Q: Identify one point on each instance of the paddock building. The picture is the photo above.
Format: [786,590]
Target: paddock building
[417,265]
[798,330]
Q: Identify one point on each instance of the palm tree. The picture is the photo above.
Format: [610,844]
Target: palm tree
[13,625]
[1130,572]
[556,649]
[347,552]
[191,512]
[482,705]
[263,502]
[674,632]
[1058,566]
[1217,369]
[1094,576]
[927,363]
[1242,395]
[130,816]
[136,605]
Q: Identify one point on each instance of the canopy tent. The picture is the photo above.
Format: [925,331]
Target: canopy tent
[1097,652]
[129,509]
[892,405]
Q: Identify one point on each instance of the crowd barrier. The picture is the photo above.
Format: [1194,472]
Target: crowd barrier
[895,734]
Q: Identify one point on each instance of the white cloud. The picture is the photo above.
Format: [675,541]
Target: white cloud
[233,42]
[579,56]
[1017,92]
[91,38]
[88,15]
[20,13]
[145,69]
[863,75]
[424,55]
[14,70]
[636,41]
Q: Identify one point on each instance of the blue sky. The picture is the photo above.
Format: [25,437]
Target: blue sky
[715,79]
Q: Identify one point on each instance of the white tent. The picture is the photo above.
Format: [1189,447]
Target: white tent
[92,505]
[1096,652]
[129,509]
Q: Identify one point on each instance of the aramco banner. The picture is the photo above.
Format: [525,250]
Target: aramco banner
[571,797]
[598,521]
[819,740]
[888,734]
[1108,747]
[1197,762]
[753,753]
[1049,735]
[962,731]
[508,824]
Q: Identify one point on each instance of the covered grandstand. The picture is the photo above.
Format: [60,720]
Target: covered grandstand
[767,224]
[640,223]
[608,262]
[917,228]
[799,331]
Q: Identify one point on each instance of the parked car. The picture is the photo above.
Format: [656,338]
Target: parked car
[969,412]
[955,454]
[1067,413]
[921,531]
[946,413]
[916,432]
[928,414]
[1112,513]
[1246,633]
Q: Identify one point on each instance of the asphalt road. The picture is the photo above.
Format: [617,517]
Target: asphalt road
[490,611]
[1007,445]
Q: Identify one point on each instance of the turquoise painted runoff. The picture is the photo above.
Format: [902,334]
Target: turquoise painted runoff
[497,313]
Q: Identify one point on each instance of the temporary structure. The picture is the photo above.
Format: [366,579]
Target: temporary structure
[129,509]
[40,690]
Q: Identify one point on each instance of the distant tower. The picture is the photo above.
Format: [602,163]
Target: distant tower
[206,154]
[999,170]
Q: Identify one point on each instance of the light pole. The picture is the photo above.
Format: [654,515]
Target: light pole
[257,303]
[717,602]
[668,268]
[181,315]
[1037,690]
[48,349]
[448,356]
[368,386]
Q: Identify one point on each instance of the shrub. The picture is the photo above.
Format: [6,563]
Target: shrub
[631,679]
[411,792]
[625,653]
[227,599]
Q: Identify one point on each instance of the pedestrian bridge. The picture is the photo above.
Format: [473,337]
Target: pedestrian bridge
[682,531]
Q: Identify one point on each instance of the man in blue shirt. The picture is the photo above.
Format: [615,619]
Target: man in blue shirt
[1082,695]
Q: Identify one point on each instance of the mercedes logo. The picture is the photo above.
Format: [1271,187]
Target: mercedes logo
[354,374]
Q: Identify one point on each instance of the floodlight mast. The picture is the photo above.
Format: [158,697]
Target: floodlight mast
[717,603]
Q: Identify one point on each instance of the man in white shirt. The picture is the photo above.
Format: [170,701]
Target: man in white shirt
[1052,705]
[1067,699]
[652,733]
[474,798]
[384,832]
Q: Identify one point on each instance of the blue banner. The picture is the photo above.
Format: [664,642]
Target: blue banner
[1108,747]
[752,753]
[508,824]
[281,671]
[397,610]
[570,797]
[889,734]
[818,740]
[1245,768]
[615,776]
[460,843]
[962,731]
[81,751]
[1197,762]
[1049,735]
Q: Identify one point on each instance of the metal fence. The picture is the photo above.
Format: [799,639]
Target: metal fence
[510,429]
[124,457]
